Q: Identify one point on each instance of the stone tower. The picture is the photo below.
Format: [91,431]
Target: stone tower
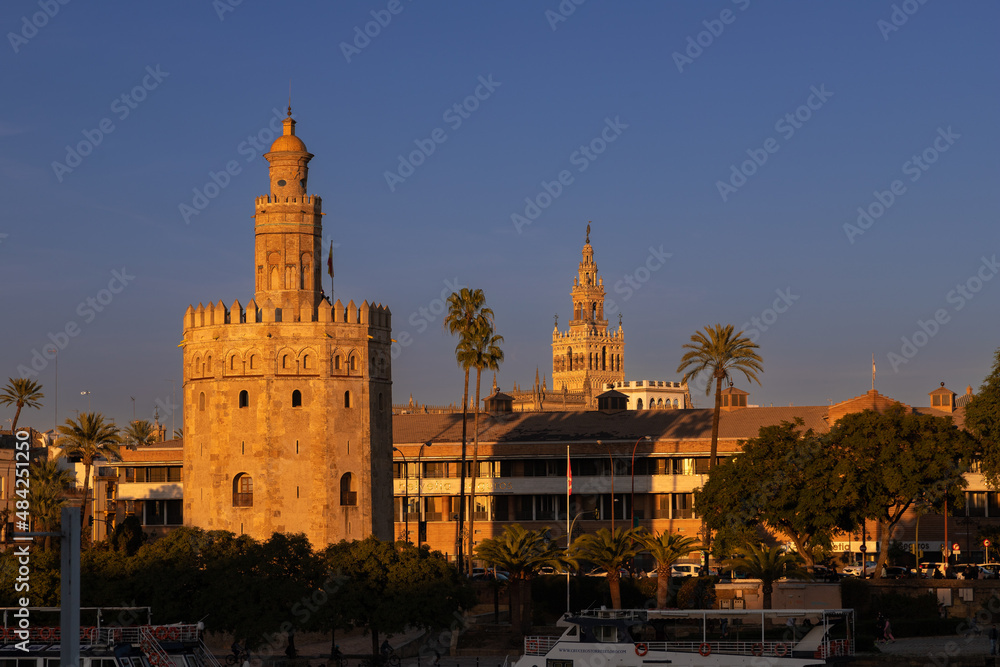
[588,354]
[288,400]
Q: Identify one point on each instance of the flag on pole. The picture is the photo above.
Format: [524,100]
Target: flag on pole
[873,371]
[329,261]
[569,475]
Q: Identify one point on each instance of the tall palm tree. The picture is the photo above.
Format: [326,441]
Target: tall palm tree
[522,552]
[465,308]
[768,565]
[610,552]
[23,393]
[47,494]
[139,433]
[486,354]
[89,438]
[719,351]
[666,548]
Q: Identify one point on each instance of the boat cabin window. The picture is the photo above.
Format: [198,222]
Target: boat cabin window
[558,663]
[606,633]
[572,631]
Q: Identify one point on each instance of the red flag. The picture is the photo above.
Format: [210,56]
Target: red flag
[569,476]
[329,261]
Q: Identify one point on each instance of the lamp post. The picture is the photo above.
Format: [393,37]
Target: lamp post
[420,484]
[406,495]
[632,501]
[87,394]
[55,351]
[569,536]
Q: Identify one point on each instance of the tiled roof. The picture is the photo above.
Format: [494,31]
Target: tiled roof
[594,425]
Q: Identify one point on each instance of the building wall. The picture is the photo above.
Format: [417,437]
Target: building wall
[297,456]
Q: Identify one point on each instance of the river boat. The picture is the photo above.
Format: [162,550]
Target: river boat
[695,638]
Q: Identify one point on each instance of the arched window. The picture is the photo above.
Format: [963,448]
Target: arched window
[196,367]
[296,399]
[201,401]
[336,363]
[284,361]
[347,399]
[638,404]
[381,405]
[354,363]
[254,362]
[348,494]
[208,364]
[675,402]
[305,362]
[232,363]
[244,399]
[243,490]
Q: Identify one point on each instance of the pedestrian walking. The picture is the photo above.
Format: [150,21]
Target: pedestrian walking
[993,639]
[887,632]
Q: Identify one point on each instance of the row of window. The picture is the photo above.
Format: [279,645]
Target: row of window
[243,490]
[583,467]
[238,364]
[155,512]
[541,507]
[244,400]
[152,474]
[657,404]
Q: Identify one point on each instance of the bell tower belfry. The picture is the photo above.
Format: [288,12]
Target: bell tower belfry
[588,353]
[288,231]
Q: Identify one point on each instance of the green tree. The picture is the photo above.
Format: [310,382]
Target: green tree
[89,438]
[47,494]
[139,433]
[666,548]
[521,552]
[466,310]
[982,417]
[768,565]
[128,536]
[610,552]
[386,588]
[486,355]
[782,480]
[22,393]
[887,461]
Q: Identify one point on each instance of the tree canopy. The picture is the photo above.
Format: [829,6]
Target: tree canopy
[982,417]
[887,461]
[782,480]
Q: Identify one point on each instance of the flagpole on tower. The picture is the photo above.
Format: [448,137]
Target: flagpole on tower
[873,371]
[329,269]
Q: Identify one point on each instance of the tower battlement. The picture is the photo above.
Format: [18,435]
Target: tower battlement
[374,316]
[310,200]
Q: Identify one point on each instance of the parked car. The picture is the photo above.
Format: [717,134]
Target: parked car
[899,572]
[685,570]
[855,570]
[482,574]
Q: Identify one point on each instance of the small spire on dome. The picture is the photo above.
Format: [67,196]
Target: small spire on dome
[289,98]
[588,233]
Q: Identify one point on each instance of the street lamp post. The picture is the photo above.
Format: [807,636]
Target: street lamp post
[406,495]
[420,504]
[87,394]
[612,461]
[569,536]
[632,500]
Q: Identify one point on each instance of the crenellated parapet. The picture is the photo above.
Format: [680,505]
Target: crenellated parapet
[313,201]
[374,316]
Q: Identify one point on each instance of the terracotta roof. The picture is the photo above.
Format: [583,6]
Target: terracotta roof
[594,425]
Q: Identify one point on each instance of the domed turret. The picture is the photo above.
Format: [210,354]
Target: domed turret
[289,162]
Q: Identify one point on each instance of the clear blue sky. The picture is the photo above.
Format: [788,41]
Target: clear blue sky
[886,95]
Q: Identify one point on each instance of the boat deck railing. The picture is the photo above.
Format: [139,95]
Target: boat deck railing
[107,635]
[541,645]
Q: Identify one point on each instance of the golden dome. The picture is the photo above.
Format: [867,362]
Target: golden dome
[288,141]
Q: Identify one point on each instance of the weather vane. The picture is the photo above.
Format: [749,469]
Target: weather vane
[588,231]
[619,320]
[557,320]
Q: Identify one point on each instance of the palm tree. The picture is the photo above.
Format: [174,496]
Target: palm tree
[47,495]
[610,552]
[486,354]
[22,392]
[522,553]
[719,351]
[139,433]
[666,548]
[465,308]
[179,433]
[768,565]
[89,438]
